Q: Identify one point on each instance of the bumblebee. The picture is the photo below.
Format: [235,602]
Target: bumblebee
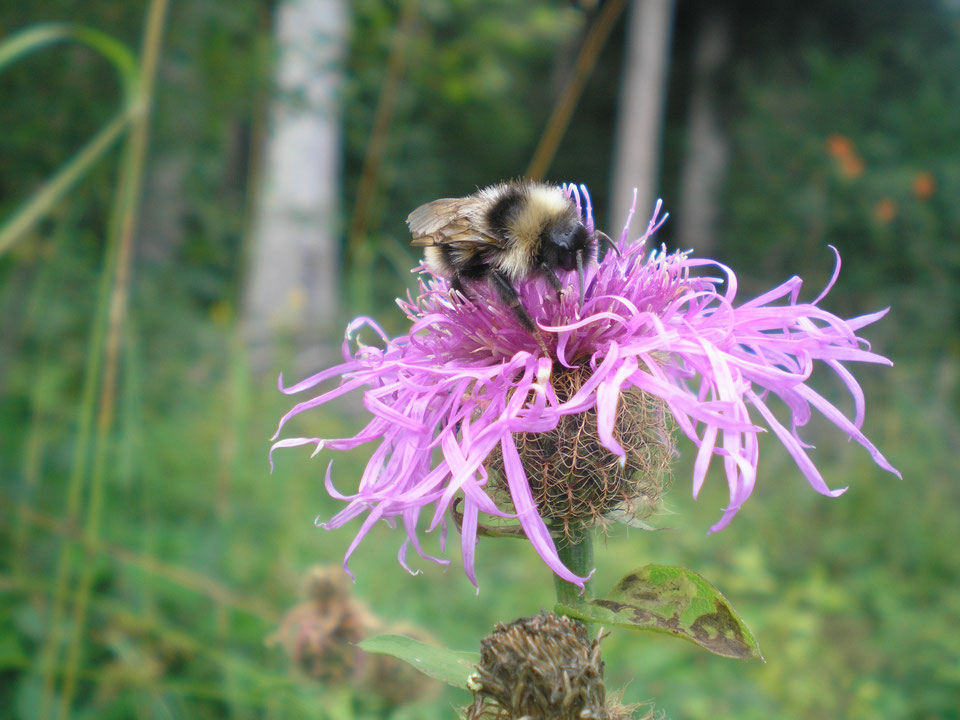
[504,234]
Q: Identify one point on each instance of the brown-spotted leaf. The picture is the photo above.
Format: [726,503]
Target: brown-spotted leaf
[673,600]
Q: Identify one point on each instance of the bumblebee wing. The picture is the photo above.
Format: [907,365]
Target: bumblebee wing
[433,217]
[448,220]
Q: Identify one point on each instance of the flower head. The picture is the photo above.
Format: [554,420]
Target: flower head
[543,666]
[320,636]
[456,399]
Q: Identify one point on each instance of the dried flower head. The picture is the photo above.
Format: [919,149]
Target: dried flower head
[319,634]
[542,667]
[320,637]
[465,393]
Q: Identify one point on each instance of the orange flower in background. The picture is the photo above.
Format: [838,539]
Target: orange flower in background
[852,167]
[885,210]
[842,149]
[924,185]
[839,145]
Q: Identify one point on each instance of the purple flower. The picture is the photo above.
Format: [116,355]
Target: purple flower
[467,378]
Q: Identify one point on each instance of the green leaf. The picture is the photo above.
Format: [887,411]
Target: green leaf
[631,520]
[449,666]
[676,601]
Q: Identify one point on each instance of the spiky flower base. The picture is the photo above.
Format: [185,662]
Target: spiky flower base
[543,668]
[574,479]
[539,667]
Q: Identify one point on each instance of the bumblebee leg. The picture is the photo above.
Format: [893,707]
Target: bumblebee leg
[508,296]
[603,237]
[552,278]
[580,275]
[456,283]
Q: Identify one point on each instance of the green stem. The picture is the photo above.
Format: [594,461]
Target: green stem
[575,549]
[78,473]
[130,180]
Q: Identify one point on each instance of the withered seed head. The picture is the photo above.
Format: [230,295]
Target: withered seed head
[327,584]
[575,479]
[319,634]
[320,637]
[541,668]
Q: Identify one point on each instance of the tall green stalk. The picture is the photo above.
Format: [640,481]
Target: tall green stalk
[13,49]
[130,181]
[43,393]
[575,549]
[78,469]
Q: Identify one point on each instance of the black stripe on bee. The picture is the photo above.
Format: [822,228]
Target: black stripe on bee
[500,215]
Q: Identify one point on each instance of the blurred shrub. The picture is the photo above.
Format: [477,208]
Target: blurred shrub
[844,131]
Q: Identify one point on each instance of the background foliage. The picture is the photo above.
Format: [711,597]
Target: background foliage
[843,126]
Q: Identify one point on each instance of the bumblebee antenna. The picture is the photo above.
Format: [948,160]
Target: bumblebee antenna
[580,275]
[608,242]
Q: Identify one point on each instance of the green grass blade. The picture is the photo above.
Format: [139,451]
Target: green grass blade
[37,37]
[40,203]
[126,207]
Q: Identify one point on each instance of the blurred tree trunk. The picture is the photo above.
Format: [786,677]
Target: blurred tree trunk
[636,151]
[161,226]
[293,286]
[707,148]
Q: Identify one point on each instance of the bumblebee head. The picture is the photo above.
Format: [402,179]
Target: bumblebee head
[566,245]
[562,242]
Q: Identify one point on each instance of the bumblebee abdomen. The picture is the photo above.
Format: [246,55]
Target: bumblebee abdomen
[510,200]
[438,262]
[466,260]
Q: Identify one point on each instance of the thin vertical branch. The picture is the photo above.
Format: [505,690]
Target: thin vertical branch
[79,463]
[42,396]
[236,372]
[32,459]
[383,118]
[128,195]
[590,51]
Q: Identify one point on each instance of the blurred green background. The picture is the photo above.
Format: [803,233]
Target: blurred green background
[147,551]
